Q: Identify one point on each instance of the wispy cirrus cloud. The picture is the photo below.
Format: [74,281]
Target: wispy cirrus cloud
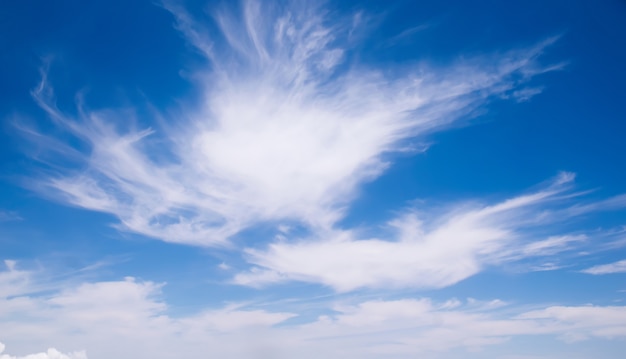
[14,281]
[616,267]
[288,128]
[8,216]
[428,251]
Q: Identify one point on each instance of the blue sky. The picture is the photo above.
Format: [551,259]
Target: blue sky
[432,179]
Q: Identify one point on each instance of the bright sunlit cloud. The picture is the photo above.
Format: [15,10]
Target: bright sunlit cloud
[287,130]
[287,179]
[132,314]
[49,354]
[426,254]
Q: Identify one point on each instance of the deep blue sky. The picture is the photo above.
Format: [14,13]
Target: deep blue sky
[381,177]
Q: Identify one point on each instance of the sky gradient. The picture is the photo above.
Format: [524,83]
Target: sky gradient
[282,179]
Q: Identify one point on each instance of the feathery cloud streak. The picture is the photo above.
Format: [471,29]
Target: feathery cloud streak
[289,126]
[616,267]
[429,252]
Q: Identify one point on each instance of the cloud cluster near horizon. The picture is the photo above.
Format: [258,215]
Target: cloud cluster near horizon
[49,354]
[133,315]
[262,164]
[288,128]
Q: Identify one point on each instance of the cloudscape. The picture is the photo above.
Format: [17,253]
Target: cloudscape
[290,179]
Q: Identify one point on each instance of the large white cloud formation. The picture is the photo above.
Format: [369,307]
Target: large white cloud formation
[431,251]
[128,319]
[288,127]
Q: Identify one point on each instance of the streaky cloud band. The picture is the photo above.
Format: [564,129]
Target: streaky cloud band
[429,252]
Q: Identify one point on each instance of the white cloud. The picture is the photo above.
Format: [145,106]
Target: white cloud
[286,129]
[582,322]
[126,302]
[429,252]
[552,245]
[50,354]
[526,94]
[230,320]
[13,281]
[129,319]
[421,326]
[110,318]
[617,267]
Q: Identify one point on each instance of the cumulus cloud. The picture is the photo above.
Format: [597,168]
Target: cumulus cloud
[130,320]
[50,354]
[129,313]
[288,126]
[426,251]
[617,267]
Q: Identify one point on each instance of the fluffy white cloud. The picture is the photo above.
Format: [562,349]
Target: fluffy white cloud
[50,354]
[286,129]
[128,319]
[617,267]
[425,253]
[110,318]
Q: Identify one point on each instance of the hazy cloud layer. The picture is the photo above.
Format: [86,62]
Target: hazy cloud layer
[7,216]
